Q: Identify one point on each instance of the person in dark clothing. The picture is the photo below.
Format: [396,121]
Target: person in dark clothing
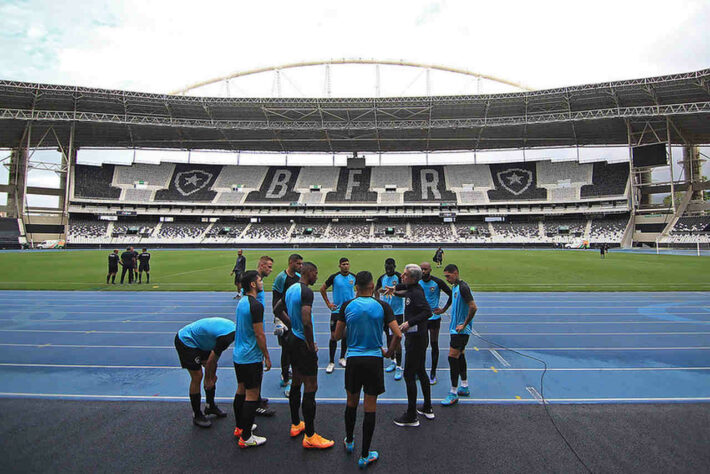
[144,260]
[416,314]
[135,264]
[127,259]
[602,250]
[283,281]
[438,257]
[113,260]
[238,271]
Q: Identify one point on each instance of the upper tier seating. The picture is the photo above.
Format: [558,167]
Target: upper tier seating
[278,186]
[190,183]
[353,186]
[609,180]
[428,184]
[245,177]
[324,176]
[95,182]
[551,173]
[137,195]
[399,176]
[151,175]
[515,182]
[463,176]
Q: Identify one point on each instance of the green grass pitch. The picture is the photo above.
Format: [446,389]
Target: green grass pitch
[485,270]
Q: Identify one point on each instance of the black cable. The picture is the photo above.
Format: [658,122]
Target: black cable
[542,395]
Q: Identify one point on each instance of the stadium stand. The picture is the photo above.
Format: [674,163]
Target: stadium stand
[182,231]
[398,176]
[87,229]
[151,175]
[353,186]
[268,232]
[190,183]
[220,232]
[94,182]
[278,186]
[608,180]
[520,232]
[230,197]
[242,177]
[349,232]
[471,176]
[309,232]
[515,182]
[553,173]
[137,195]
[608,230]
[141,227]
[575,227]
[472,231]
[428,184]
[431,232]
[9,233]
[558,194]
[692,224]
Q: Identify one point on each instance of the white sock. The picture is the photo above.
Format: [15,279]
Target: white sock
[453,390]
[464,383]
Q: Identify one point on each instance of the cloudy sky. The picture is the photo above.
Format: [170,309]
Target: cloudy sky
[160,46]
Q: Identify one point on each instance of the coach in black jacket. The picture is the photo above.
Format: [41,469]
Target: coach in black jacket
[416,314]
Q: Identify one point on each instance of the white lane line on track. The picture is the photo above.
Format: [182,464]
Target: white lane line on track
[500,358]
[535,394]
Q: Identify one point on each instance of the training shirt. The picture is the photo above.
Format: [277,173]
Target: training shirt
[249,312]
[297,296]
[343,288]
[432,291]
[113,260]
[364,318]
[459,308]
[396,302]
[240,265]
[208,334]
[282,282]
[127,258]
[144,258]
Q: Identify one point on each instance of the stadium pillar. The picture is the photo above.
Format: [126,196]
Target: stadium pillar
[17,182]
[691,168]
[645,178]
[65,179]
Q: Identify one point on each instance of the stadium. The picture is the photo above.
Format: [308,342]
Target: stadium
[521,189]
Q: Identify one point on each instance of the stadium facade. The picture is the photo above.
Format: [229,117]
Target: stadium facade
[512,203]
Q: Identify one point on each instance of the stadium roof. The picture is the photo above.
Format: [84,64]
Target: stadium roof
[594,114]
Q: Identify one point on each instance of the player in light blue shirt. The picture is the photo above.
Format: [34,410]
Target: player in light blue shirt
[364,317]
[433,287]
[463,310]
[343,284]
[392,278]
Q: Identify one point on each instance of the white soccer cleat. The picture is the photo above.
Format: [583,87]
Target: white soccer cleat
[253,441]
[342,362]
[329,368]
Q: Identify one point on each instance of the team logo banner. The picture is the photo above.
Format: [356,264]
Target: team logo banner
[515,180]
[190,182]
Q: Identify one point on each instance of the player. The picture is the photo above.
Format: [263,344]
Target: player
[438,257]
[343,284]
[433,287]
[298,304]
[363,317]
[144,260]
[200,344]
[238,270]
[463,309]
[113,260]
[135,264]
[392,278]
[416,314]
[264,268]
[282,282]
[126,262]
[251,358]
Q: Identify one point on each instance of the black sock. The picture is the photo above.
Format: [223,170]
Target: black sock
[343,348]
[434,357]
[284,364]
[294,403]
[147,277]
[247,420]
[238,406]
[309,412]
[368,429]
[332,346]
[463,367]
[454,369]
[140,277]
[398,358]
[350,417]
[209,396]
[195,399]
[107,277]
[113,279]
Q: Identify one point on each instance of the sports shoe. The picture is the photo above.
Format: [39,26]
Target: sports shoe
[329,368]
[406,420]
[398,374]
[202,421]
[215,411]
[317,442]
[287,390]
[450,399]
[372,456]
[283,382]
[279,330]
[342,362]
[265,411]
[252,442]
[297,429]
[391,367]
[349,447]
[238,431]
[463,392]
[428,413]
[432,380]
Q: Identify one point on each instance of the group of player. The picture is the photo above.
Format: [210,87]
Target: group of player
[133,263]
[361,310]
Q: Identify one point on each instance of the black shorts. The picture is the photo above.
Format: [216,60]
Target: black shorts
[333,321]
[303,361]
[434,324]
[284,339]
[400,320]
[249,374]
[237,279]
[113,269]
[365,372]
[191,358]
[458,341]
[144,268]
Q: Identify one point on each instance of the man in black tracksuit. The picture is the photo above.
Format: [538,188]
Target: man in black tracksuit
[127,261]
[113,259]
[416,314]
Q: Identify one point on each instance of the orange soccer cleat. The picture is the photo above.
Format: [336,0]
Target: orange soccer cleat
[317,442]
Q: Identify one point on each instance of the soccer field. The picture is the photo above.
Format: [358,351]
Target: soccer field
[485,270]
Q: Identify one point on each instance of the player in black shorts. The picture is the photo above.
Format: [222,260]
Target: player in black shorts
[127,264]
[135,264]
[144,266]
[200,344]
[113,260]
[238,270]
[363,317]
[438,257]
